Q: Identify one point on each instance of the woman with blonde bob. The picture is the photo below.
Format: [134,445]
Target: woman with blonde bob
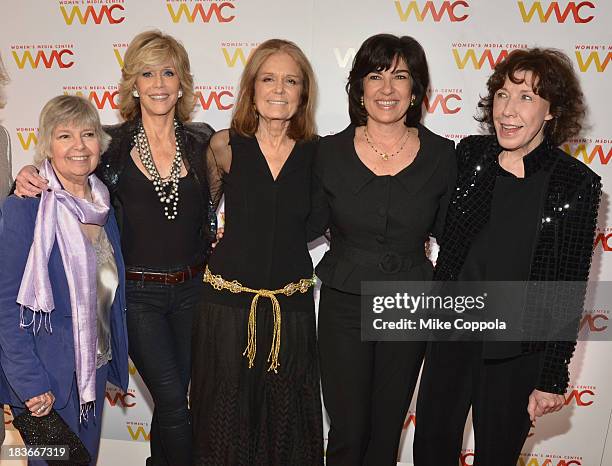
[155,170]
[62,285]
[5,167]
[255,379]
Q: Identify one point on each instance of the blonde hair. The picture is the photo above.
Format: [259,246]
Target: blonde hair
[245,119]
[67,109]
[153,48]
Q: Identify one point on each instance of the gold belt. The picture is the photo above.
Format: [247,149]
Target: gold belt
[219,283]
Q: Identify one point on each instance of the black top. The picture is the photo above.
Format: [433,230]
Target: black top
[503,249]
[379,224]
[149,239]
[264,245]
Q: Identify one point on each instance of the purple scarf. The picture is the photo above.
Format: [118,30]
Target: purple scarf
[58,219]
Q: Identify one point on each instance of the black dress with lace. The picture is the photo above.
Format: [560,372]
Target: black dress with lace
[254,416]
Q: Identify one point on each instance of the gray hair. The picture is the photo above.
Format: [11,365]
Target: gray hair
[4,80]
[67,109]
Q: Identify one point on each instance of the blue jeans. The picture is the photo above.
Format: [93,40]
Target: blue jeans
[159,321]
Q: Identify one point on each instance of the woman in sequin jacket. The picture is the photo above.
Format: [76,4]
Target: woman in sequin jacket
[523,210]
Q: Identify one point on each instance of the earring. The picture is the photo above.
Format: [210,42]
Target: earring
[362,103]
[135,93]
[412,102]
[180,93]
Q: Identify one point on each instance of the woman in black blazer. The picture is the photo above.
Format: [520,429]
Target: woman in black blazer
[380,186]
[522,211]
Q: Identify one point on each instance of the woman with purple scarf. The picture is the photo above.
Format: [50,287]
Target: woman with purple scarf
[62,288]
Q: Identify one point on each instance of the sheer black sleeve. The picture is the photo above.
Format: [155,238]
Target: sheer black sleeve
[318,220]
[218,162]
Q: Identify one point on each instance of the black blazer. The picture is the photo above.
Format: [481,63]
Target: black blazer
[564,243]
[378,224]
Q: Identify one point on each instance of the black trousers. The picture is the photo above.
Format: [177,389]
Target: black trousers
[367,386]
[159,322]
[455,377]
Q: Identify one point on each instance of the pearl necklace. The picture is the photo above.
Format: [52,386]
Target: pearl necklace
[385,155]
[166,188]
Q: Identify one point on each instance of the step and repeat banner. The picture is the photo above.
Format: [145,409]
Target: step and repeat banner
[51,47]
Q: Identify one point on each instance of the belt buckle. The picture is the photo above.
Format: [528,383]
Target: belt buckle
[390,262]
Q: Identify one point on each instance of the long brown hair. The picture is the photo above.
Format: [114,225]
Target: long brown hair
[245,119]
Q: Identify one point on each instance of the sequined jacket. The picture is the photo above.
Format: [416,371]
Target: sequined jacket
[193,141]
[564,241]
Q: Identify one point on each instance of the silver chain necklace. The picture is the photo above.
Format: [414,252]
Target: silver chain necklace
[166,188]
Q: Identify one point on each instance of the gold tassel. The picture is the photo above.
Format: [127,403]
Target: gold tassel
[219,283]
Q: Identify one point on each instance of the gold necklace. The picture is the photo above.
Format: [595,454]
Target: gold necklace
[384,155]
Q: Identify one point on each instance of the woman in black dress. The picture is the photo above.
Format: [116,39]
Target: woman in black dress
[540,207]
[380,186]
[255,380]
[155,170]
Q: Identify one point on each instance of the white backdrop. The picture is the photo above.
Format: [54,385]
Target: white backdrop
[76,46]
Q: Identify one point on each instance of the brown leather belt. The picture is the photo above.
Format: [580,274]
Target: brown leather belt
[171,278]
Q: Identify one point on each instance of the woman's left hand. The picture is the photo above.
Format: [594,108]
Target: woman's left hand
[541,403]
[41,405]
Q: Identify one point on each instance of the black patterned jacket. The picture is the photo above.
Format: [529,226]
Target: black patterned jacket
[564,243]
[193,141]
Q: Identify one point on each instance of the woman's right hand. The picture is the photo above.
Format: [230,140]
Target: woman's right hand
[41,405]
[29,183]
[220,232]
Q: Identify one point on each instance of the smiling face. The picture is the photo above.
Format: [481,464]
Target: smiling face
[278,88]
[519,114]
[75,152]
[387,93]
[158,87]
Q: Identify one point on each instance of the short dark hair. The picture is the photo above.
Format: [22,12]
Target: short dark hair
[379,53]
[553,79]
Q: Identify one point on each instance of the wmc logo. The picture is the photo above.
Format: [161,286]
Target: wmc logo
[123,400]
[595,321]
[580,396]
[237,52]
[548,460]
[603,239]
[445,101]
[27,137]
[103,97]
[49,56]
[215,97]
[598,151]
[138,432]
[344,57]
[466,457]
[205,12]
[96,14]
[437,11]
[478,55]
[593,57]
[410,420]
[119,51]
[571,10]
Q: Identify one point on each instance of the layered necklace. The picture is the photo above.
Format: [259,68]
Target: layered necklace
[167,187]
[385,155]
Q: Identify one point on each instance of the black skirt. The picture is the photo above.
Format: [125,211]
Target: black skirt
[242,416]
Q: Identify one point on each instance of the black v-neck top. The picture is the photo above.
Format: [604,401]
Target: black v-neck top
[264,244]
